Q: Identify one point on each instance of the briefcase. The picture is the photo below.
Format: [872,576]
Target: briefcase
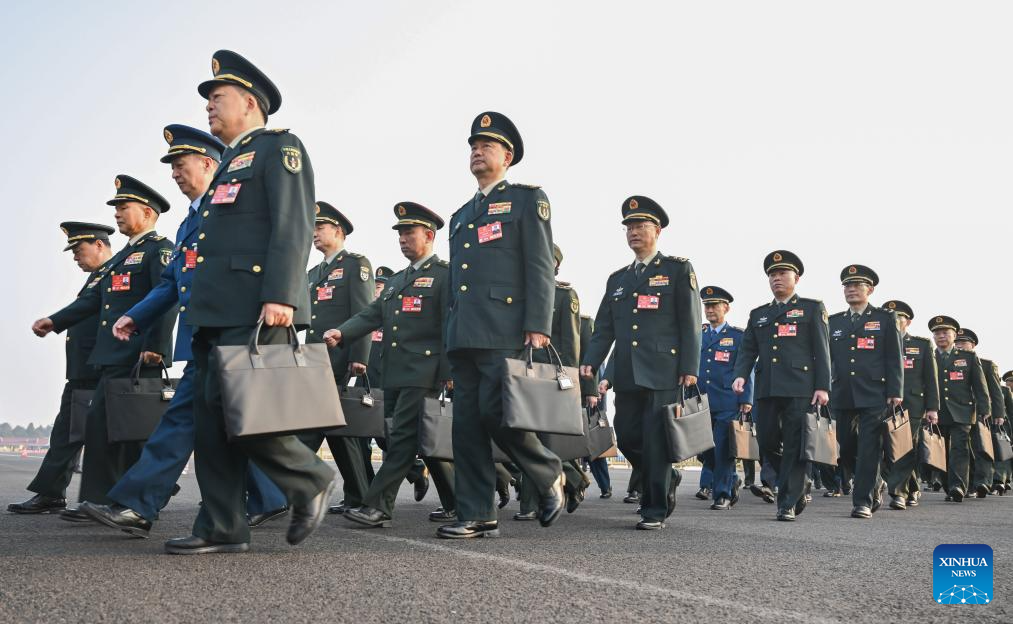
[601,438]
[932,448]
[983,438]
[135,404]
[543,398]
[897,437]
[742,435]
[80,403]
[568,447]
[688,426]
[1001,445]
[436,431]
[277,389]
[362,407]
[819,437]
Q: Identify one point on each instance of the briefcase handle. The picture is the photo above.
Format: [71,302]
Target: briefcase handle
[682,397]
[343,387]
[551,350]
[822,411]
[257,359]
[897,413]
[135,374]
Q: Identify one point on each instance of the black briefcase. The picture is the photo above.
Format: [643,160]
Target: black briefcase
[600,436]
[135,404]
[1001,445]
[436,431]
[568,447]
[80,403]
[363,409]
[688,426]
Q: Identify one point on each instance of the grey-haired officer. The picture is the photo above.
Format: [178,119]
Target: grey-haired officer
[868,376]
[651,312]
[129,276]
[921,400]
[90,243]
[788,342]
[984,467]
[963,400]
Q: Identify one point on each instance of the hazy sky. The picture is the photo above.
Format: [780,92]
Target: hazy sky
[861,132]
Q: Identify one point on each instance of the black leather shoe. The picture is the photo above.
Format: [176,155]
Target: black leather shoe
[834,493]
[38,504]
[735,492]
[957,495]
[723,503]
[421,486]
[804,499]
[504,500]
[703,493]
[551,504]
[876,504]
[74,514]
[175,490]
[368,516]
[573,500]
[763,492]
[632,496]
[118,517]
[936,486]
[897,502]
[194,545]
[466,530]
[442,515]
[673,485]
[786,515]
[306,518]
[981,491]
[340,508]
[255,520]
[861,512]
[526,515]
[650,525]
[606,494]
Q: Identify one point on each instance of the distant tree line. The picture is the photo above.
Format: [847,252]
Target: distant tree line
[21,431]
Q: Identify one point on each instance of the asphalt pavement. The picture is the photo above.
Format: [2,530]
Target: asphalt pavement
[591,566]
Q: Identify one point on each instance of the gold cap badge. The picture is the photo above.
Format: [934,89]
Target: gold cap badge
[215,66]
[852,270]
[891,305]
[939,319]
[318,208]
[167,135]
[486,121]
[778,257]
[710,291]
[634,204]
[401,211]
[117,183]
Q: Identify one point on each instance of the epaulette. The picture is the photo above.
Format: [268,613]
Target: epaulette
[565,285]
[277,131]
[352,254]
[618,271]
[808,300]
[677,258]
[443,263]
[157,237]
[736,327]
[585,316]
[525,186]
[841,313]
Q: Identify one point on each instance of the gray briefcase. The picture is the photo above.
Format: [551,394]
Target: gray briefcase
[544,398]
[688,425]
[277,389]
[362,407]
[436,431]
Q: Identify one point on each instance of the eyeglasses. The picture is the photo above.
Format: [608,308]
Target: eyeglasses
[642,226]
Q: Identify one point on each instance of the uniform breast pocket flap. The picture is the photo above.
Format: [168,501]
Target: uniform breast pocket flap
[506,294]
[251,264]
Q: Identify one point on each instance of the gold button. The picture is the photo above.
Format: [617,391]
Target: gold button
[634,310]
[182,289]
[428,352]
[467,245]
[774,360]
[184,269]
[107,306]
[393,344]
[202,235]
[464,266]
[314,316]
[394,328]
[776,324]
[852,335]
[182,308]
[634,343]
[109,289]
[315,302]
[673,353]
[464,287]
[634,294]
[400,296]
[200,259]
[471,226]
[256,268]
[774,347]
[68,338]
[775,336]
[805,368]
[311,331]
[635,328]
[509,299]
[211,193]
[396,312]
[207,212]
[852,372]
[852,360]
[103,323]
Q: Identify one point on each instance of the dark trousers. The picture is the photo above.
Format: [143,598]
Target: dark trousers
[640,432]
[779,431]
[860,434]
[367,458]
[600,472]
[147,486]
[982,467]
[403,405]
[221,464]
[104,462]
[722,460]
[57,466]
[347,454]
[478,418]
[575,479]
[902,479]
[636,482]
[958,456]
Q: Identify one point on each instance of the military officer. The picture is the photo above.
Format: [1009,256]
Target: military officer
[719,348]
[137,497]
[788,341]
[254,247]
[128,277]
[651,311]
[984,467]
[1004,470]
[374,367]
[90,243]
[412,313]
[963,399]
[921,400]
[868,376]
[340,287]
[500,302]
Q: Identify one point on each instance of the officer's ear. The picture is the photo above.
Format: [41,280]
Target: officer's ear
[872,289]
[210,165]
[509,157]
[430,235]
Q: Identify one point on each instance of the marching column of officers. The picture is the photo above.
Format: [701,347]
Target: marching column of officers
[445,326]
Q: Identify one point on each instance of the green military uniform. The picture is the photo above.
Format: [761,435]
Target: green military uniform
[411,312]
[501,287]
[1004,470]
[339,289]
[57,467]
[651,311]
[983,467]
[126,279]
[789,344]
[253,249]
[963,399]
[921,394]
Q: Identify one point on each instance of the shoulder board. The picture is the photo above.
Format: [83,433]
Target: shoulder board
[352,254]
[585,316]
[808,300]
[524,186]
[276,131]
[618,271]
[676,258]
[442,263]
[836,314]
[564,285]
[704,325]
[158,238]
[736,328]
[759,309]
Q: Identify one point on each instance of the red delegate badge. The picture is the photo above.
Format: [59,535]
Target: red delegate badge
[121,282]
[411,304]
[648,302]
[226,194]
[325,293]
[722,356]
[866,343]
[787,330]
[956,375]
[378,335]
[190,257]
[490,232]
[909,362]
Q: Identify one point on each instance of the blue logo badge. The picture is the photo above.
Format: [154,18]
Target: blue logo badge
[962,574]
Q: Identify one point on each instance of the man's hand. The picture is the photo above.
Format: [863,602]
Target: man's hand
[332,338]
[150,358]
[357,368]
[586,371]
[894,401]
[591,401]
[42,326]
[739,385]
[745,408]
[932,416]
[124,328]
[603,386]
[999,422]
[687,380]
[536,340]
[820,397]
[277,314]
[449,383]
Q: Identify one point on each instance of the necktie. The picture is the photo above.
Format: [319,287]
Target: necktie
[639,270]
